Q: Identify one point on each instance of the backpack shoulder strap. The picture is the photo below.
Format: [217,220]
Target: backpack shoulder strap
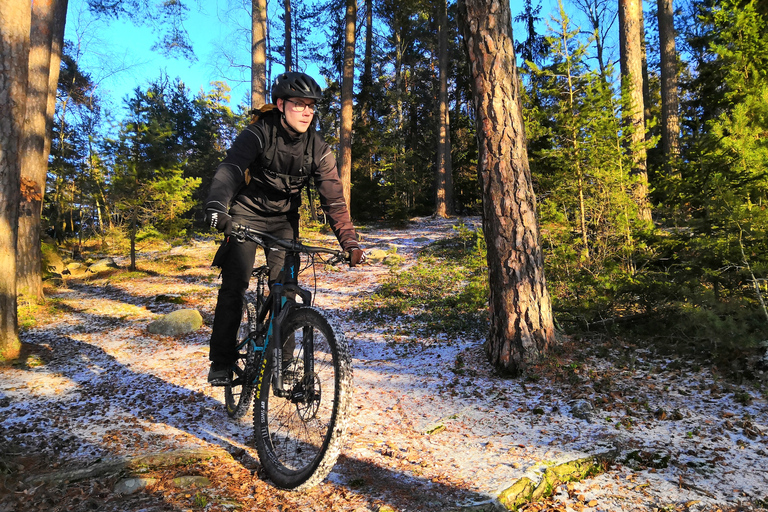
[269,152]
[309,152]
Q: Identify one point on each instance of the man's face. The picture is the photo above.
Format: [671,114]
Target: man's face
[298,112]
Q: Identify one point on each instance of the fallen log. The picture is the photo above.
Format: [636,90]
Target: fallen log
[122,465]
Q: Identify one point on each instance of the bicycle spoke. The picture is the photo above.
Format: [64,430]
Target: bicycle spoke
[295,431]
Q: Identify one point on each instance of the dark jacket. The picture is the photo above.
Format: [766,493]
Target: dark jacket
[276,189]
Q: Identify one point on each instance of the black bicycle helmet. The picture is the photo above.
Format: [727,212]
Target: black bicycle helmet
[295,85]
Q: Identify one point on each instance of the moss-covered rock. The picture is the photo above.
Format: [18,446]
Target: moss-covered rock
[518,494]
[182,321]
[102,265]
[525,491]
[53,264]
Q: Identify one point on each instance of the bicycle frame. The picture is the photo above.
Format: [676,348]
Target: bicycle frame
[302,401]
[281,300]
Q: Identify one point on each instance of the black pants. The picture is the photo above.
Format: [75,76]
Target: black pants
[236,260]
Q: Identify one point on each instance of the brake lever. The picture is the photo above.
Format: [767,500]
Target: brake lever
[336,259]
[242,233]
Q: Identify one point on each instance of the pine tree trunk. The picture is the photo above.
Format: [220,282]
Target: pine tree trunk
[134,231]
[631,58]
[670,125]
[646,81]
[46,37]
[258,53]
[347,93]
[367,78]
[522,326]
[288,37]
[443,176]
[398,37]
[14,59]
[57,46]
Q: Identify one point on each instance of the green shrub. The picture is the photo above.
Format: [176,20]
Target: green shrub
[445,292]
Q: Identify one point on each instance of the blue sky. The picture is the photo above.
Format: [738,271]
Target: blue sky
[119,57]
[118,54]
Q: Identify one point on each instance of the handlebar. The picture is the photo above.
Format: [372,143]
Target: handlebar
[266,240]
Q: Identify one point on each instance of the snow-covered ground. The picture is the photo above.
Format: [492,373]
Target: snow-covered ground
[427,413]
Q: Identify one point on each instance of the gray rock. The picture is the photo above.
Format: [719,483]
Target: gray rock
[52,262]
[181,321]
[173,298]
[76,269]
[132,485]
[102,265]
[582,409]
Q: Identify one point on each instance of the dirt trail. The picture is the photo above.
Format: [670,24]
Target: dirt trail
[432,427]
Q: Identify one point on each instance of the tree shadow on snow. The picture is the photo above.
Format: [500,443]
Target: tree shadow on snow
[107,410]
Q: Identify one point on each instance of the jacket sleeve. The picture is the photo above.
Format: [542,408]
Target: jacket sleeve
[331,193]
[230,174]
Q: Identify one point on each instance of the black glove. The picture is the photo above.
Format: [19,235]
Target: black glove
[219,220]
[355,256]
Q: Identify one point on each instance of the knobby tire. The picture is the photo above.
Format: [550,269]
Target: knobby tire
[299,439]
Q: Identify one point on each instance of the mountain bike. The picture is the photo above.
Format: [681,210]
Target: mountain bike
[296,362]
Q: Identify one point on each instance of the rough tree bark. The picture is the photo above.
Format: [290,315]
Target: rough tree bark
[444,170]
[57,50]
[347,94]
[522,327]
[258,53]
[670,121]
[631,59]
[14,59]
[288,37]
[366,80]
[46,39]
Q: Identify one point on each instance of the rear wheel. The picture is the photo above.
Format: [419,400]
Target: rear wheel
[238,394]
[299,436]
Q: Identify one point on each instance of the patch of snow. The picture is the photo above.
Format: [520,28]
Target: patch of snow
[111,388]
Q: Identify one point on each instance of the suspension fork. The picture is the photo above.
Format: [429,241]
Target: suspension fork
[281,306]
[283,303]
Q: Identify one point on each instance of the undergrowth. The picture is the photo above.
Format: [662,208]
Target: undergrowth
[30,312]
[445,292]
[670,310]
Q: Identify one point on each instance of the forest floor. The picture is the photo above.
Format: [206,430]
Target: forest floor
[433,427]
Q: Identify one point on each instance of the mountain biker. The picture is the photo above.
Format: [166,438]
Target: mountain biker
[259,185]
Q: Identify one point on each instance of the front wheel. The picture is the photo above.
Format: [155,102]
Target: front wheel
[299,435]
